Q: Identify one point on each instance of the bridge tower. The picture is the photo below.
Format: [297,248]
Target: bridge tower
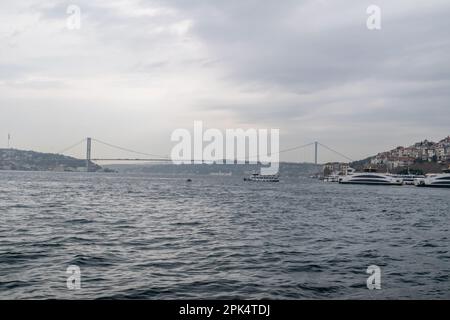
[315,152]
[88,154]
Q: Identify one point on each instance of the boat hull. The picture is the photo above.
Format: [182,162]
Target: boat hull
[431,185]
[262,180]
[372,183]
[373,179]
[435,186]
[435,181]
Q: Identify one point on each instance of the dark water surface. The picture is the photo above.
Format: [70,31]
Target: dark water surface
[219,237]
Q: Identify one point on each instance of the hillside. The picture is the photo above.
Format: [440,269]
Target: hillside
[12,159]
[425,156]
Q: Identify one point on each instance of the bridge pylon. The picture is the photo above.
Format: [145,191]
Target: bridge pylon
[88,153]
[316,144]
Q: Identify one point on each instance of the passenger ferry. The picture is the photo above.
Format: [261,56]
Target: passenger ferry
[437,180]
[371,177]
[256,177]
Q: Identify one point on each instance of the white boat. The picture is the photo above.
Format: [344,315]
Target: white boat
[256,177]
[336,176]
[371,177]
[408,179]
[437,180]
[220,173]
[331,178]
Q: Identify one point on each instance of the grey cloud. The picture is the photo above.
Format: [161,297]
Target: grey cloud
[261,50]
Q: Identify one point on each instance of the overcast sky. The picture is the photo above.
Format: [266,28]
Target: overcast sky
[137,70]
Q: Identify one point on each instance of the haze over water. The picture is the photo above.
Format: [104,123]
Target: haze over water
[147,237]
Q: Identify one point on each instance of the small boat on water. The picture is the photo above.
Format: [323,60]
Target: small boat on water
[436,180]
[220,173]
[371,177]
[408,179]
[256,177]
[331,178]
[336,176]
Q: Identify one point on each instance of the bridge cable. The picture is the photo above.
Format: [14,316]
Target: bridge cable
[129,150]
[342,155]
[285,150]
[71,147]
[296,148]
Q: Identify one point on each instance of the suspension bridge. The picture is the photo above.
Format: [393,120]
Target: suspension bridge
[148,157]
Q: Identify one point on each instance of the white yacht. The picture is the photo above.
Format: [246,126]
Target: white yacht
[408,179]
[441,180]
[331,178]
[256,177]
[371,177]
[336,176]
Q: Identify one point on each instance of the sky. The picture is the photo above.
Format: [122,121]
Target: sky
[137,70]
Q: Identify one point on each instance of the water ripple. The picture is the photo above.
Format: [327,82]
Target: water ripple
[150,237]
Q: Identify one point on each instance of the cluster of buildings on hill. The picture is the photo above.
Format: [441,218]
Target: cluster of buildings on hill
[425,151]
[421,153]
